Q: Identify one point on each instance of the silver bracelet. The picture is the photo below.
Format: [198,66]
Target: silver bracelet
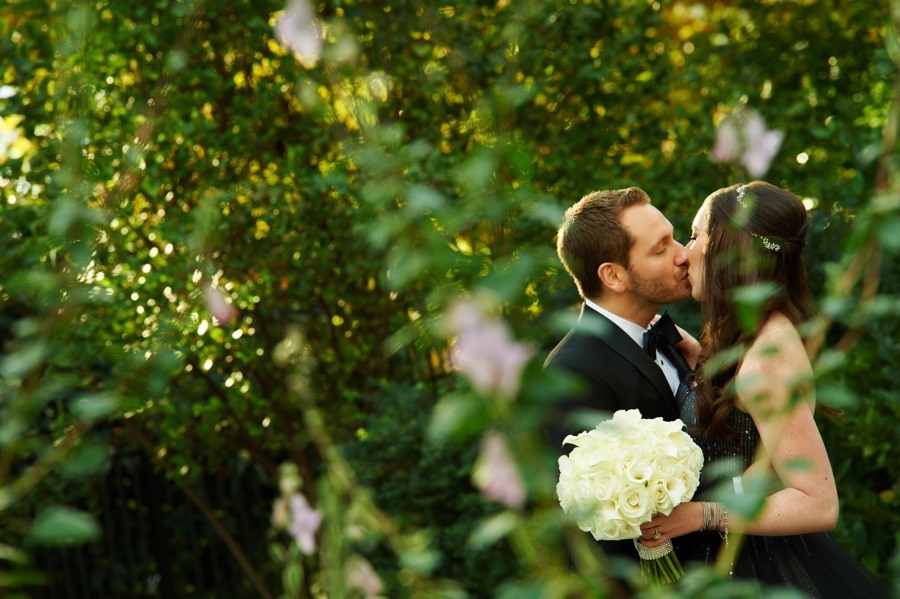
[724,527]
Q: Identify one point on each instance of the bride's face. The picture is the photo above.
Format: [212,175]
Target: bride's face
[696,250]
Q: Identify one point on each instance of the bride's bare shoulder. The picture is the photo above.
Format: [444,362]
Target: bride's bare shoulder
[775,364]
[778,346]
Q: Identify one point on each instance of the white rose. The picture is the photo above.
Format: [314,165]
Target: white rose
[586,523]
[661,499]
[608,510]
[627,456]
[667,446]
[611,530]
[564,494]
[691,482]
[695,459]
[635,503]
[583,494]
[665,468]
[605,481]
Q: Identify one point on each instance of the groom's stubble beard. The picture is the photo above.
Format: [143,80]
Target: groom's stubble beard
[660,291]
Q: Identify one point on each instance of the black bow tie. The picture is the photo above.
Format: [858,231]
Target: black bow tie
[660,334]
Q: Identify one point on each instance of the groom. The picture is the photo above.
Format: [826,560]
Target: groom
[626,264]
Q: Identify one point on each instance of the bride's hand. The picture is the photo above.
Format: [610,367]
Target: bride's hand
[685,518]
[688,347]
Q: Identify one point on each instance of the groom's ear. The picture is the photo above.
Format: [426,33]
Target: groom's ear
[613,276]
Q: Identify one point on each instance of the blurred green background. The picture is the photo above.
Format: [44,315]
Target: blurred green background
[158,159]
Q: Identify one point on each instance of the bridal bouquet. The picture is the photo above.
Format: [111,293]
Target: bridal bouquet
[621,473]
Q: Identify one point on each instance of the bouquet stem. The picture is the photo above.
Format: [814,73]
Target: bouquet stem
[659,565]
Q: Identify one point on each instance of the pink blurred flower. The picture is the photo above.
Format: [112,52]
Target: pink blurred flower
[727,143]
[218,307]
[299,31]
[362,577]
[496,475]
[484,351]
[743,138]
[305,522]
[761,145]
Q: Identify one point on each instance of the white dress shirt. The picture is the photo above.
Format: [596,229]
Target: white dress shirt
[636,332]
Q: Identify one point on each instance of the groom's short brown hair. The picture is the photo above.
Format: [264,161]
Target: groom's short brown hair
[591,234]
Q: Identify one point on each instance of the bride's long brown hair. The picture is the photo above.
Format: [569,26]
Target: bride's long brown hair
[741,251]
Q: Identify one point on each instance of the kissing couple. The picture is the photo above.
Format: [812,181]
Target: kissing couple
[748,414]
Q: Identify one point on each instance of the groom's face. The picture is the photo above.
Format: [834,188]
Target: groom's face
[657,272]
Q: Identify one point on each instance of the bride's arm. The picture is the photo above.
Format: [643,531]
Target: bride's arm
[773,386]
[688,347]
[791,445]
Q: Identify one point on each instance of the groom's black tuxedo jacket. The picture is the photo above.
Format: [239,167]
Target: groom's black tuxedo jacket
[619,375]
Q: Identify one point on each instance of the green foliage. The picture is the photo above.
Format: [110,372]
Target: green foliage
[866,431]
[426,486]
[171,149]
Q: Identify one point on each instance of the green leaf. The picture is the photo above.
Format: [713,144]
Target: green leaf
[546,212]
[889,233]
[869,153]
[93,407]
[292,578]
[405,266]
[7,498]
[12,554]
[521,590]
[21,578]
[750,302]
[492,529]
[12,430]
[421,560]
[749,502]
[64,526]
[799,465]
[85,460]
[22,361]
[68,215]
[509,279]
[422,199]
[829,361]
[836,396]
[477,171]
[455,416]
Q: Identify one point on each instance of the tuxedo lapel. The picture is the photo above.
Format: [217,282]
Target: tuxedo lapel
[685,375]
[619,341]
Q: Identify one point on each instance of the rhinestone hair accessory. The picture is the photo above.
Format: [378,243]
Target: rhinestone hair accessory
[767,243]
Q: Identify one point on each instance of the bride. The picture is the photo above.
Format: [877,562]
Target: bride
[754,414]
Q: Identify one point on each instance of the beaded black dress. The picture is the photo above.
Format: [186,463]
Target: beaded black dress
[814,564]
